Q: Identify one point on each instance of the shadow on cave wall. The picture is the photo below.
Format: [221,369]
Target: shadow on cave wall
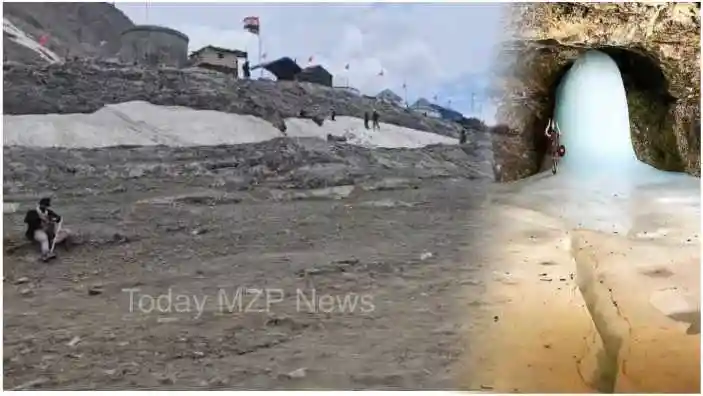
[649,105]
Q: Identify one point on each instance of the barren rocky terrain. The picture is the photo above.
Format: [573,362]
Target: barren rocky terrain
[366,255]
[300,263]
[310,222]
[86,86]
[72,29]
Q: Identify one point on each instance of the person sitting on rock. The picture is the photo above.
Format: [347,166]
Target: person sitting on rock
[42,227]
[375,117]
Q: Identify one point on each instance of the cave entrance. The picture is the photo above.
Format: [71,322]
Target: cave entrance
[647,108]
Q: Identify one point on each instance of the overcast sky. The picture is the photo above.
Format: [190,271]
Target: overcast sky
[439,49]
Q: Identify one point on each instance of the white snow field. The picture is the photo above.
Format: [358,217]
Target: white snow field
[353,129]
[141,123]
[20,37]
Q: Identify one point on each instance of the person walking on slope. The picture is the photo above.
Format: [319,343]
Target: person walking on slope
[462,136]
[43,227]
[245,69]
[375,117]
[366,119]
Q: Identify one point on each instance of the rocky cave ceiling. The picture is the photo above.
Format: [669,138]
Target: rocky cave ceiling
[655,45]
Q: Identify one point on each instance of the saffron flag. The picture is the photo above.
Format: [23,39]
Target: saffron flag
[380,73]
[310,59]
[251,24]
[346,67]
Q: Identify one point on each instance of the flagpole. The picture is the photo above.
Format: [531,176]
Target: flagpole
[405,89]
[346,74]
[261,69]
[147,56]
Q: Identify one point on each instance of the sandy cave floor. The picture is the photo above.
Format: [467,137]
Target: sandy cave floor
[637,252]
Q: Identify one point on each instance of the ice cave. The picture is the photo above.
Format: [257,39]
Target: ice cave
[600,178]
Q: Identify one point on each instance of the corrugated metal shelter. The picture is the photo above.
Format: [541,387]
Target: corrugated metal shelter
[284,68]
[316,74]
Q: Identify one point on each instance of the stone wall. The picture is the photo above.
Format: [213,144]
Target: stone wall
[154,46]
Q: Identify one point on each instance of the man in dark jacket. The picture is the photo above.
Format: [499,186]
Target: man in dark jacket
[374,118]
[366,119]
[42,228]
[245,69]
[462,136]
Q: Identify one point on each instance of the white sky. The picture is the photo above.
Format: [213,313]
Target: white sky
[439,49]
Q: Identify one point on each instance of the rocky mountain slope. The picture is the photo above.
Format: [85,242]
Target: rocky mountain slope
[656,47]
[72,29]
[83,87]
[290,214]
[91,32]
[301,164]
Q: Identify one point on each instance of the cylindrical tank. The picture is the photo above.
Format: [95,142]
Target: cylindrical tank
[154,46]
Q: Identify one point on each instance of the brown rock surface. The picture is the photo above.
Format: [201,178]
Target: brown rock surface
[657,48]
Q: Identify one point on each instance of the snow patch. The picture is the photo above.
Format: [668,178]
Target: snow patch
[353,129]
[142,123]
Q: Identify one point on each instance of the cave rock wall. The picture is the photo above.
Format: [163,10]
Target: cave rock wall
[656,47]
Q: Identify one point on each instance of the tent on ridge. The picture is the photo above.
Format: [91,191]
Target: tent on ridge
[283,68]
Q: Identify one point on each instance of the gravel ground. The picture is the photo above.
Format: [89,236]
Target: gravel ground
[406,252]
